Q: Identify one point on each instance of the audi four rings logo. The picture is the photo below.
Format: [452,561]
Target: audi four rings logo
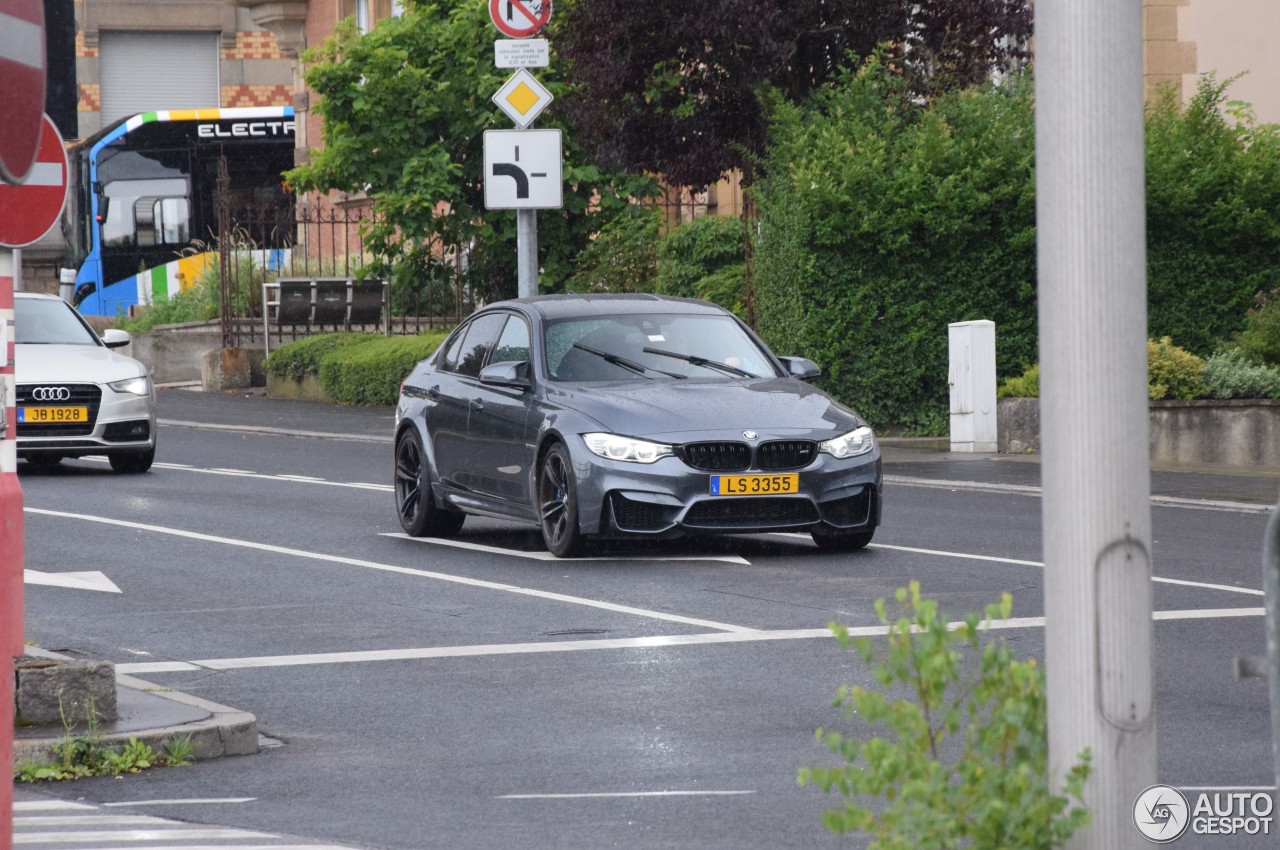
[51,394]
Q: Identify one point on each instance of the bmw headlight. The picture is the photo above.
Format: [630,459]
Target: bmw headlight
[856,442]
[616,447]
[135,386]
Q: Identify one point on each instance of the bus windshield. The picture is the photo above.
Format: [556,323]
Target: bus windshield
[154,191]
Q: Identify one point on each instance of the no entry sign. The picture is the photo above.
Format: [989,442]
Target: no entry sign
[519,18]
[22,84]
[30,210]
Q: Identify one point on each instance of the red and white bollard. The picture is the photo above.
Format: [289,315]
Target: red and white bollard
[11,557]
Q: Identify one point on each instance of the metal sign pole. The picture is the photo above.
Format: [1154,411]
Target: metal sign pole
[527,252]
[11,622]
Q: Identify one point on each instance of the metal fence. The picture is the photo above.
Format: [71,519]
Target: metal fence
[257,245]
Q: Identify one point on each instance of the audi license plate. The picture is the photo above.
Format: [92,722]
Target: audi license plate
[48,415]
[754,485]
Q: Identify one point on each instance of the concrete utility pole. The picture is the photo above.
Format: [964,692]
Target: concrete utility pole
[1090,217]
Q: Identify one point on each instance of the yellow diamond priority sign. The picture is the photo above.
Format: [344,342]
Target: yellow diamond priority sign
[522,97]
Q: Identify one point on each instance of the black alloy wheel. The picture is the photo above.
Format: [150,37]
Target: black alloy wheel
[558,504]
[416,508]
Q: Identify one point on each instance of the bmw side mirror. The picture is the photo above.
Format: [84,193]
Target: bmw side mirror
[115,338]
[800,367]
[508,373]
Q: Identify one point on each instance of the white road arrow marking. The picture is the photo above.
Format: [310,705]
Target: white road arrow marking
[88,580]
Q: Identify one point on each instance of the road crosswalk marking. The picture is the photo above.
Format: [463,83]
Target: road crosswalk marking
[63,825]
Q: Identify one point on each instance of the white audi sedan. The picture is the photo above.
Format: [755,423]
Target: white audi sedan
[76,396]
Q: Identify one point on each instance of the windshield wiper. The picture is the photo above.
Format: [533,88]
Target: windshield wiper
[616,360]
[702,361]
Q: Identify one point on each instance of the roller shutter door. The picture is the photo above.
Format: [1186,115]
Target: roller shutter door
[146,71]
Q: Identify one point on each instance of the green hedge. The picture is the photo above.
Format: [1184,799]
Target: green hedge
[883,220]
[353,368]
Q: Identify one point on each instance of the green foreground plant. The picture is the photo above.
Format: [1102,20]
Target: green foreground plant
[85,754]
[964,762]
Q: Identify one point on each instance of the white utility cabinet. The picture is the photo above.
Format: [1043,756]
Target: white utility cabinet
[972,378]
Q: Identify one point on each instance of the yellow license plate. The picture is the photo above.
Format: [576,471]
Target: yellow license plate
[42,415]
[754,485]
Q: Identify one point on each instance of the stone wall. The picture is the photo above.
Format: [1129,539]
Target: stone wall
[1232,432]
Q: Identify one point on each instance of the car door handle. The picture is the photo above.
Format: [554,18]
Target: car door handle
[477,404]
[433,392]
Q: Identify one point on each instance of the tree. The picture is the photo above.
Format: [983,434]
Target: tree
[404,109]
[675,88]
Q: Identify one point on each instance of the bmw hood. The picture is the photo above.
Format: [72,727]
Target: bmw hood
[80,364]
[677,410]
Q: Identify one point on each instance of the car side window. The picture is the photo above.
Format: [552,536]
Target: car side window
[480,337]
[513,345]
[449,362]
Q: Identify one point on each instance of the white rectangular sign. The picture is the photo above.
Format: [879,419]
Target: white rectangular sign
[523,170]
[521,53]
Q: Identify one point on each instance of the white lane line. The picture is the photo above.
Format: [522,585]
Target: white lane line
[88,820]
[968,556]
[1033,490]
[48,806]
[653,642]
[547,556]
[282,432]
[190,801]
[390,568]
[590,794]
[178,834]
[260,476]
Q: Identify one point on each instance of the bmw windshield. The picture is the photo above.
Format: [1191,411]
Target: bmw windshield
[653,347]
[43,321]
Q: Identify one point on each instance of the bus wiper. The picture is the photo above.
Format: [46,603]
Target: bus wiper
[615,359]
[702,361]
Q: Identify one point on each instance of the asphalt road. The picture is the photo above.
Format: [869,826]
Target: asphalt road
[480,695]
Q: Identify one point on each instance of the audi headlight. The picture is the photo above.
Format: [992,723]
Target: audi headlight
[615,447]
[856,442]
[135,386]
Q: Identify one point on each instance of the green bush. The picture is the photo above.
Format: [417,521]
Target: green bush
[703,259]
[1173,372]
[963,761]
[371,372]
[296,360]
[1260,339]
[1026,385]
[361,369]
[1230,374]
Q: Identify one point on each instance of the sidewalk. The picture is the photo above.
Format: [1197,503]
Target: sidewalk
[153,714]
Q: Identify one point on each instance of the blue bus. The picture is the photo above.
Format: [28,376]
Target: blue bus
[143,221]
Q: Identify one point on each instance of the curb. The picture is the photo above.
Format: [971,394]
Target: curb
[224,731]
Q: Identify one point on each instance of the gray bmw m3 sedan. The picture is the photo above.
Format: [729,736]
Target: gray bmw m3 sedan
[607,416]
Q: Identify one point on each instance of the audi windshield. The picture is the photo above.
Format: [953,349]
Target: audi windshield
[40,321]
